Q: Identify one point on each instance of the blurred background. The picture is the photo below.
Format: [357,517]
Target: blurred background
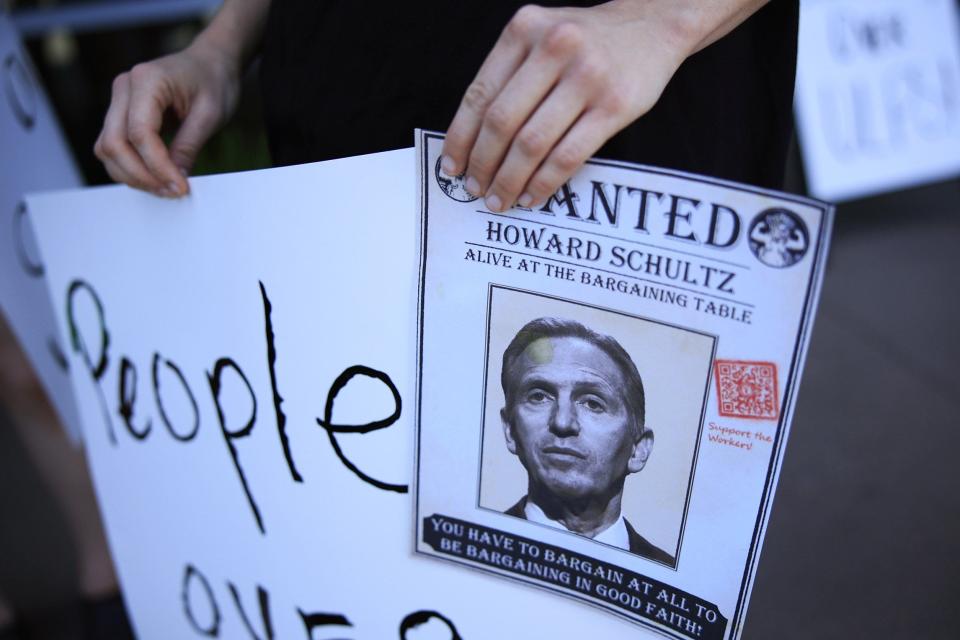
[863,537]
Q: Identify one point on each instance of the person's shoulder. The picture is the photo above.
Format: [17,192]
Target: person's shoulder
[643,547]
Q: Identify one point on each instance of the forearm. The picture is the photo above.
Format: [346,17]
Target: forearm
[236,30]
[689,25]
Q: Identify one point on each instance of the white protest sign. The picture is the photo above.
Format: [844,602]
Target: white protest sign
[33,157]
[245,371]
[878,94]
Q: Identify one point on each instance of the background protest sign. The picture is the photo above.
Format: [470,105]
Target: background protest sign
[878,94]
[33,157]
[244,372]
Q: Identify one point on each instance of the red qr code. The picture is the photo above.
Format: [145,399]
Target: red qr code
[747,389]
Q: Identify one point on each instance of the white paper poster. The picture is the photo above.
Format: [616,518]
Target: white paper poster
[245,365]
[606,386]
[878,94]
[33,157]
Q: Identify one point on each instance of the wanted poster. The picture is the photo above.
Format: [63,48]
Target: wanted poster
[606,383]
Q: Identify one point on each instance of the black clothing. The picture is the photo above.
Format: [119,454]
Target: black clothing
[342,78]
[638,544]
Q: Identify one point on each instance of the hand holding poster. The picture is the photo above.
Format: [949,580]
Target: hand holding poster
[606,385]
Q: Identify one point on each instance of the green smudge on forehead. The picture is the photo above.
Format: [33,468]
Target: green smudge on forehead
[540,351]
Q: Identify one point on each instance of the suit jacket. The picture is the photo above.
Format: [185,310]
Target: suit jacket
[638,544]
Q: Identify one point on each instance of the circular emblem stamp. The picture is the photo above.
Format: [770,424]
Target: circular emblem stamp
[778,237]
[21,94]
[454,186]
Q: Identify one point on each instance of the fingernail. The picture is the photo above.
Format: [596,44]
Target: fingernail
[494,204]
[473,186]
[163,192]
[525,200]
[173,188]
[184,172]
[448,165]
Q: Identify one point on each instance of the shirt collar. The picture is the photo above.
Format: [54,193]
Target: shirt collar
[615,535]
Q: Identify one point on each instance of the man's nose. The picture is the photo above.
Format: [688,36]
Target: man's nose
[563,420]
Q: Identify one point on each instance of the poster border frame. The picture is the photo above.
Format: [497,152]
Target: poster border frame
[705,400]
[787,403]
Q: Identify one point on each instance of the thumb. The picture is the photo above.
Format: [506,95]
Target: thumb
[196,129]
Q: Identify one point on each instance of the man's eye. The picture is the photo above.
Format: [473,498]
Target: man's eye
[537,397]
[593,404]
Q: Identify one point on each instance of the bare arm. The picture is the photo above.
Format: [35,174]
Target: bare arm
[560,82]
[200,85]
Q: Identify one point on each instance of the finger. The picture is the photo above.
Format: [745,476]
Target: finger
[118,173]
[196,129]
[148,102]
[583,139]
[501,63]
[120,159]
[536,138]
[531,83]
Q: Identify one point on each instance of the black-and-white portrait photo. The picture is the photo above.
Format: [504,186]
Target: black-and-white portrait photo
[569,402]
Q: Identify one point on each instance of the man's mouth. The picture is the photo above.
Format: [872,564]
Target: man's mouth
[564,451]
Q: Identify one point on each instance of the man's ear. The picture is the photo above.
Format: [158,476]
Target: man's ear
[641,451]
[508,431]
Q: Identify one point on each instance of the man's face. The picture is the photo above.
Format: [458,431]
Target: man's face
[569,424]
